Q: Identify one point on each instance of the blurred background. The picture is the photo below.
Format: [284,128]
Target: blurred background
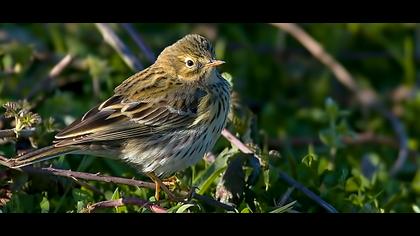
[334,106]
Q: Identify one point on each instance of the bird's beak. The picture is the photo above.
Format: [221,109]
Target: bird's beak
[214,63]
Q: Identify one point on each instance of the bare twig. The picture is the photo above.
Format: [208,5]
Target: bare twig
[10,133]
[112,39]
[139,41]
[243,148]
[307,192]
[55,71]
[319,53]
[89,176]
[126,201]
[367,97]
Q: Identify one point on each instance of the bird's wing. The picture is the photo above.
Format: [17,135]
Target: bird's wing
[120,117]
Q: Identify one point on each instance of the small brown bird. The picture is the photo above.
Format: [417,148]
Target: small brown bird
[160,120]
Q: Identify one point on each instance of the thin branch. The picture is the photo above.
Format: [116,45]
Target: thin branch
[10,133]
[307,192]
[126,201]
[367,97]
[398,127]
[112,39]
[88,176]
[243,148]
[55,71]
[139,41]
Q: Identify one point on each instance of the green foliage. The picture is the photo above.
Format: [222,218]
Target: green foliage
[287,107]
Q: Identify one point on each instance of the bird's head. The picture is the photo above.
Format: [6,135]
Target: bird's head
[191,58]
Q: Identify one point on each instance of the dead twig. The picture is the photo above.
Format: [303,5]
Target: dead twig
[139,41]
[367,97]
[115,42]
[125,201]
[307,192]
[10,133]
[88,176]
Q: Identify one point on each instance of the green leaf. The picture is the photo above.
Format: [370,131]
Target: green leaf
[310,157]
[284,208]
[207,177]
[246,210]
[324,164]
[45,205]
[266,175]
[80,206]
[416,208]
[184,207]
[415,184]
[115,196]
[352,184]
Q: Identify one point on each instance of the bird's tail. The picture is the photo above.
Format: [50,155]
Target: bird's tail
[39,155]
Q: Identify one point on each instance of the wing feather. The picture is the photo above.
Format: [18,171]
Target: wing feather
[119,118]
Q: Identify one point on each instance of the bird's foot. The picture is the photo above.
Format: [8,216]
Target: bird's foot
[170,182]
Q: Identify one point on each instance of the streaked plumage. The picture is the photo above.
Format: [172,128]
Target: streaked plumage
[160,120]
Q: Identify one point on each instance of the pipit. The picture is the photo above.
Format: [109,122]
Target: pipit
[160,120]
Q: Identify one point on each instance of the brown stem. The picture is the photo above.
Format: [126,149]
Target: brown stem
[126,201]
[88,176]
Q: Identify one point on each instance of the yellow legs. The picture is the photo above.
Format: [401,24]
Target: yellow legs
[162,184]
[159,184]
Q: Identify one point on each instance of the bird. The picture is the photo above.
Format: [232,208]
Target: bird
[160,120]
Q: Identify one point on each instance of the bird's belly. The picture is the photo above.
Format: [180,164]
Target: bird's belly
[172,152]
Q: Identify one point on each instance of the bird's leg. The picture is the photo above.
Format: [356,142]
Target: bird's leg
[159,185]
[171,181]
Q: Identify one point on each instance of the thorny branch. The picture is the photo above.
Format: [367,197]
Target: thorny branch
[108,179]
[367,97]
[125,201]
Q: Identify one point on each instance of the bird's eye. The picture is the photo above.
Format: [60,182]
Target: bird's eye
[189,63]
